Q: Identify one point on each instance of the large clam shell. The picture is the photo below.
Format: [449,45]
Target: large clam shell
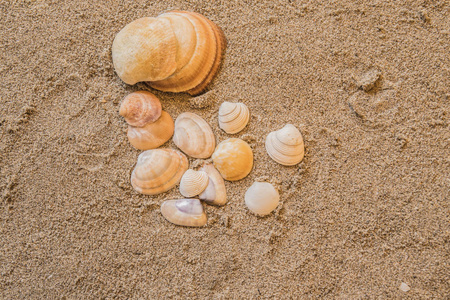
[152,135]
[262,198]
[140,108]
[184,212]
[233,158]
[233,117]
[194,136]
[145,50]
[158,170]
[215,193]
[286,146]
[193,183]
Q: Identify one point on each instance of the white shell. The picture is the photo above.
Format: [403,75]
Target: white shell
[286,146]
[193,183]
[184,212]
[233,117]
[215,193]
[262,198]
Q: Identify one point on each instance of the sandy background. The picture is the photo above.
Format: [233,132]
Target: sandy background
[366,210]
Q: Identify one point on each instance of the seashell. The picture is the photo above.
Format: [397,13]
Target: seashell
[193,183]
[286,146]
[140,108]
[233,117]
[158,170]
[152,135]
[233,158]
[184,212]
[194,136]
[145,50]
[215,193]
[262,198]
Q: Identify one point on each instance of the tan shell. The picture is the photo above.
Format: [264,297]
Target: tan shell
[158,170]
[194,136]
[215,193]
[152,135]
[193,183]
[233,117]
[140,108]
[233,158]
[184,212]
[145,50]
[286,146]
[262,198]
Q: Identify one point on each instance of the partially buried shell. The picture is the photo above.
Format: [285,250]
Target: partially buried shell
[233,117]
[215,193]
[158,170]
[152,135]
[184,212]
[233,158]
[262,198]
[286,146]
[140,108]
[193,183]
[193,135]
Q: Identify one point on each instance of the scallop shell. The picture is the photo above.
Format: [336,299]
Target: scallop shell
[158,170]
[233,117]
[193,183]
[194,136]
[145,50]
[262,198]
[184,212]
[140,108]
[152,135]
[215,193]
[233,158]
[286,146]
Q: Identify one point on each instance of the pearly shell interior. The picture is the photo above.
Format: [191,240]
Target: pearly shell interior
[215,193]
[184,212]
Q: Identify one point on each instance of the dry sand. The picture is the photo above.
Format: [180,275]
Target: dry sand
[366,210]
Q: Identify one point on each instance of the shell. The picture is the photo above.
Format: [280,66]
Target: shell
[233,158]
[152,135]
[193,183]
[145,50]
[233,117]
[286,146]
[194,136]
[184,212]
[158,170]
[140,108]
[215,193]
[262,198]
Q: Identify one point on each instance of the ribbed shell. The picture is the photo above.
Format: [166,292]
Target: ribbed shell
[233,158]
[152,135]
[184,212]
[140,108]
[194,136]
[286,146]
[193,183]
[233,117]
[158,170]
[262,198]
[215,193]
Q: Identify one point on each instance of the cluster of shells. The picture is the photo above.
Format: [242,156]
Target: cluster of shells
[160,169]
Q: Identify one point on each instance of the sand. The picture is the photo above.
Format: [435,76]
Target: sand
[366,82]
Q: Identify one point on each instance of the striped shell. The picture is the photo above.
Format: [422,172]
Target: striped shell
[193,183]
[215,193]
[140,108]
[184,212]
[286,146]
[233,117]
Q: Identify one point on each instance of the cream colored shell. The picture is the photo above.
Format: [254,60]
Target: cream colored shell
[233,117]
[184,212]
[193,183]
[158,170]
[194,136]
[233,158]
[215,193]
[140,108]
[262,198]
[286,146]
[152,135]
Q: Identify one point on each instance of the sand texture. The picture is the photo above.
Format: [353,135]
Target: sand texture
[365,215]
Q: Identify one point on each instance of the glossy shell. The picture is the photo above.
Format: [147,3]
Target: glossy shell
[233,158]
[193,183]
[286,146]
[233,117]
[152,135]
[215,193]
[262,198]
[184,212]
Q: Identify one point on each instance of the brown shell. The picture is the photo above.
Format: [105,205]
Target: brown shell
[140,108]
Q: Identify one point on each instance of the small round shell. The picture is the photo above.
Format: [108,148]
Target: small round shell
[193,183]
[262,198]
[140,108]
[233,117]
[184,212]
[152,135]
[215,193]
[158,170]
[194,136]
[286,146]
[233,158]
